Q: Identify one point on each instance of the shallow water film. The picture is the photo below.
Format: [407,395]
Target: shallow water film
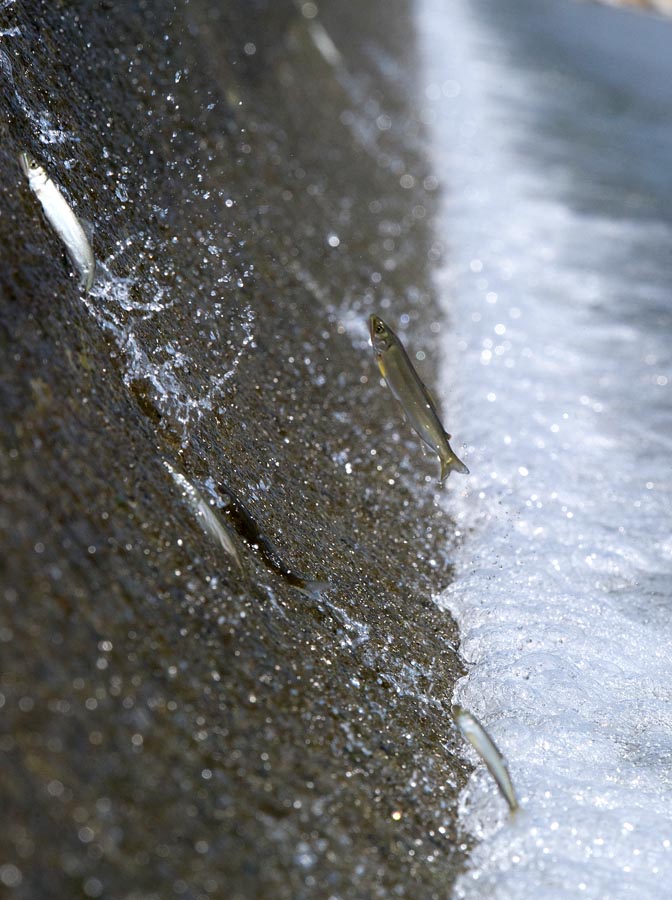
[197,703]
[237,609]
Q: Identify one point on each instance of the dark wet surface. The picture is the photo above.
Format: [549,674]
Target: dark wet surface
[170,725]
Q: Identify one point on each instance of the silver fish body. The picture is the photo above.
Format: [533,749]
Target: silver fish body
[414,398]
[62,219]
[206,516]
[483,744]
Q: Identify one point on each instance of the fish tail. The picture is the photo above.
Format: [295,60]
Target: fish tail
[451,463]
[87,278]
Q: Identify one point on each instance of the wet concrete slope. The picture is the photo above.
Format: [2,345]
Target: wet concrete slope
[173,723]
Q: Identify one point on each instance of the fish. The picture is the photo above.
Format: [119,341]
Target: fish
[412,395]
[62,219]
[247,527]
[483,744]
[206,516]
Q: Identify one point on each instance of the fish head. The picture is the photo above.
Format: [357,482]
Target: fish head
[31,168]
[459,712]
[382,337]
[28,163]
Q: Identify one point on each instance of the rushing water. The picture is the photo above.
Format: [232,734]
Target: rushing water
[177,717]
[551,129]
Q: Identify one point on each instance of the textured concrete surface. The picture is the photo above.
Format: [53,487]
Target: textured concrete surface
[171,725]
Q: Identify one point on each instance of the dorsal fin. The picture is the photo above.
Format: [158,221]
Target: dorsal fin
[88,229]
[429,397]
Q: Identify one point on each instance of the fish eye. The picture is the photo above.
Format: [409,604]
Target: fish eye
[380,328]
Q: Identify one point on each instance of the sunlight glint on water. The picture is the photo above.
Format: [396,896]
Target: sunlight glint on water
[560,369]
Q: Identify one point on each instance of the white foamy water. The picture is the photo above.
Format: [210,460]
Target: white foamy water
[557,278]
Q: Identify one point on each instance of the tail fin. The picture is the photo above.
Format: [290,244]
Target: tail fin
[451,463]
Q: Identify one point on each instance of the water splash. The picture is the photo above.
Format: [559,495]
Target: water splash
[120,305]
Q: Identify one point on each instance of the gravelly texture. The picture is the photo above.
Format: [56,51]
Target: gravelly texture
[171,726]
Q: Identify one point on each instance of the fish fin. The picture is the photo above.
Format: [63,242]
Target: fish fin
[88,229]
[87,277]
[451,464]
[87,274]
[430,398]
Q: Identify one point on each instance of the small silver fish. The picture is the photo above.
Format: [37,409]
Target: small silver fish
[62,219]
[407,388]
[206,516]
[248,528]
[483,744]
